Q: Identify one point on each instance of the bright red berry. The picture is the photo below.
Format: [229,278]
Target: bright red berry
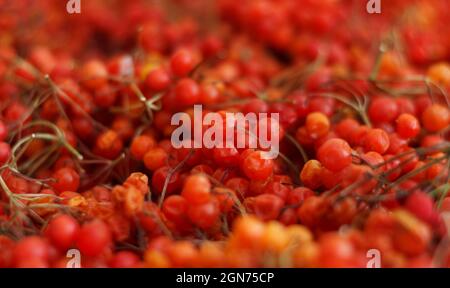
[383,109]
[66,179]
[196,189]
[93,238]
[62,231]
[182,62]
[335,154]
[407,126]
[158,80]
[436,117]
[187,92]
[256,167]
[376,140]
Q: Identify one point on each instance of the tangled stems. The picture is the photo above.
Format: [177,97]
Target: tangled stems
[16,200]
[382,178]
[149,104]
[359,106]
[170,174]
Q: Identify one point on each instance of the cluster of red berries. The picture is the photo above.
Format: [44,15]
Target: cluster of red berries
[87,162]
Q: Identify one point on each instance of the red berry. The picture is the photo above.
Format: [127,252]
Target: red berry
[62,231]
[155,158]
[376,140]
[187,92]
[31,248]
[346,128]
[257,168]
[205,215]
[108,144]
[383,109]
[228,157]
[5,152]
[299,194]
[421,205]
[124,259]
[94,74]
[93,238]
[267,206]
[209,94]
[140,145]
[317,125]
[159,178]
[407,126]
[66,179]
[196,189]
[335,154]
[158,80]
[182,62]
[174,209]
[436,117]
[3,131]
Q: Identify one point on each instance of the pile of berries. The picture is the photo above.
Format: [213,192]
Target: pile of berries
[87,161]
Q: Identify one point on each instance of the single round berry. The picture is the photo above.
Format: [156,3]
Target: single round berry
[108,144]
[174,209]
[31,248]
[311,174]
[346,128]
[158,80]
[267,206]
[376,140]
[155,158]
[62,231]
[383,110]
[407,126]
[209,94]
[255,167]
[94,237]
[317,125]
[94,74]
[141,145]
[182,62]
[421,205]
[66,179]
[436,117]
[187,92]
[205,215]
[335,154]
[196,189]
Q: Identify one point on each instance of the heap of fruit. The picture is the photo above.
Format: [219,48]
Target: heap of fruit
[87,162]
